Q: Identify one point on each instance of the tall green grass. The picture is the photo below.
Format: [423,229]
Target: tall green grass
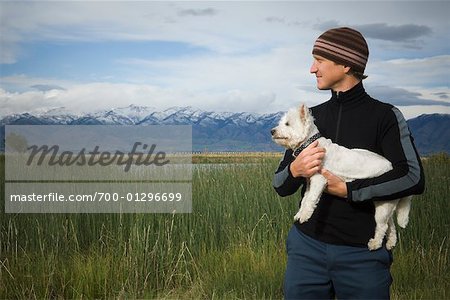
[231,246]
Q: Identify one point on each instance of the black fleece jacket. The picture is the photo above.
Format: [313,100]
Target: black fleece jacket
[355,120]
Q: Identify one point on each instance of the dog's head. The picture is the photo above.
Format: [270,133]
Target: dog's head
[293,128]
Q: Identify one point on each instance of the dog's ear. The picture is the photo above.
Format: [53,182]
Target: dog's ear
[303,111]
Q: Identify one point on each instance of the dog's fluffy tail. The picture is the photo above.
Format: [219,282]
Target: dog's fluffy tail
[403,208]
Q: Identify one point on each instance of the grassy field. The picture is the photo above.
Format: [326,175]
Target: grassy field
[231,246]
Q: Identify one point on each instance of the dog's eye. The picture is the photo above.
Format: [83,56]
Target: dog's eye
[287,123]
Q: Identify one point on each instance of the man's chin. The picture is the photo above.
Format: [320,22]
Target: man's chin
[321,85]
[323,88]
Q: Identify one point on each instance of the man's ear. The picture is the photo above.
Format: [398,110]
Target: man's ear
[347,69]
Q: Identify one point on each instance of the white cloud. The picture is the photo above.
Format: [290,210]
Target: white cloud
[262,83]
[427,71]
[102,96]
[410,112]
[25,102]
[259,83]
[405,97]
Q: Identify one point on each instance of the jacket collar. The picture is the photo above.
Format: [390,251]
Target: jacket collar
[355,93]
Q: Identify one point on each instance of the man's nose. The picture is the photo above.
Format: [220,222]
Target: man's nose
[313,68]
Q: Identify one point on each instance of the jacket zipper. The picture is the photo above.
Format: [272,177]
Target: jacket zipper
[338,125]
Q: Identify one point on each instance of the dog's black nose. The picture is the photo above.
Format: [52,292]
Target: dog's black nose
[272,131]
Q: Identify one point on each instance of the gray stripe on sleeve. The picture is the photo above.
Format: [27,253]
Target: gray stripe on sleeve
[402,183]
[280,177]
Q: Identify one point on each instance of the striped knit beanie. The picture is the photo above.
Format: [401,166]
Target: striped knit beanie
[344,46]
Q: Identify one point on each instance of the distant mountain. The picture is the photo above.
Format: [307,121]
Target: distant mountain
[212,131]
[220,131]
[431,133]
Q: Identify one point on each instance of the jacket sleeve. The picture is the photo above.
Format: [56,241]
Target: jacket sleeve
[406,178]
[283,182]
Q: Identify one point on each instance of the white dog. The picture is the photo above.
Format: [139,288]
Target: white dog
[296,130]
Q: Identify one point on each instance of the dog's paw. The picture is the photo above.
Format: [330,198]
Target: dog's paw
[298,214]
[390,244]
[374,244]
[302,216]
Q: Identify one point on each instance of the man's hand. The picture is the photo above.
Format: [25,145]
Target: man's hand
[308,162]
[335,185]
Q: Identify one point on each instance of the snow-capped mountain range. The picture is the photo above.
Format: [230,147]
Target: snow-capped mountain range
[139,115]
[212,131]
[218,131]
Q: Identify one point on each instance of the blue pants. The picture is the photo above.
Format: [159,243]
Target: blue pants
[317,270]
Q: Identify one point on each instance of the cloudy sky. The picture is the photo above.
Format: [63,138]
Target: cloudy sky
[249,56]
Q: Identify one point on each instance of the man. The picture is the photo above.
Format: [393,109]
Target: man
[328,255]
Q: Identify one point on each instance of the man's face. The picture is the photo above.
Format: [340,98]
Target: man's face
[329,74]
